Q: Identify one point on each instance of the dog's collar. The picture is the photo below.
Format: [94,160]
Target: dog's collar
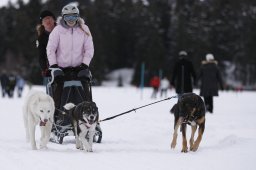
[190,122]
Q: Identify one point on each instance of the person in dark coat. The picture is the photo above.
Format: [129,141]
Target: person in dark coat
[210,81]
[183,74]
[4,84]
[11,85]
[47,23]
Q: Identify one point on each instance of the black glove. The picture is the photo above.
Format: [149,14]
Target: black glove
[56,72]
[54,66]
[83,66]
[84,72]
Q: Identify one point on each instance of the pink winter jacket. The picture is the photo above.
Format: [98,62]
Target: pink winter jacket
[70,47]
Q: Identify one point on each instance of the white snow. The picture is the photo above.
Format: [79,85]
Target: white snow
[125,74]
[139,140]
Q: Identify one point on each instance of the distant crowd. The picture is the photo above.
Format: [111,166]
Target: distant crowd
[10,82]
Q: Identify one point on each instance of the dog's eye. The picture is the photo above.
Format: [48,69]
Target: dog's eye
[48,111]
[41,111]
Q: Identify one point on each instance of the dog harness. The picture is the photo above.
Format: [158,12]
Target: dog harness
[190,120]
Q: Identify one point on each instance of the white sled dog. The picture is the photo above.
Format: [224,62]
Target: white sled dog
[38,109]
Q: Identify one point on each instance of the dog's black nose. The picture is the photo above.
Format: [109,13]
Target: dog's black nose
[45,120]
[91,117]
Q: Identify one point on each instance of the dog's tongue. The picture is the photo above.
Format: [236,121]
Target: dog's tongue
[42,123]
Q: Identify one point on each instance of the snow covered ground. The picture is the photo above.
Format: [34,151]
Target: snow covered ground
[139,140]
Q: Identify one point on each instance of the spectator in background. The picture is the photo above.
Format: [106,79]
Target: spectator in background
[155,83]
[210,80]
[183,74]
[164,86]
[20,85]
[44,28]
[11,85]
[4,83]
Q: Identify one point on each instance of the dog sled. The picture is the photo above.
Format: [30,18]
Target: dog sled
[75,88]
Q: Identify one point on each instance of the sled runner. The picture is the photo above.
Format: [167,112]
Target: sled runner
[72,86]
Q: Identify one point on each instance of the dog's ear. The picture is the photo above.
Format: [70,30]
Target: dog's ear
[174,108]
[78,112]
[201,107]
[38,100]
[94,104]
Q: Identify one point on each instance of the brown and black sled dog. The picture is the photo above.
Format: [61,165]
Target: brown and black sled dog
[189,109]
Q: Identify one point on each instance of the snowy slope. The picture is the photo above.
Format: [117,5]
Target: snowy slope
[141,140]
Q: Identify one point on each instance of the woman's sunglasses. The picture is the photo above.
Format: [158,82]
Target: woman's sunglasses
[71,18]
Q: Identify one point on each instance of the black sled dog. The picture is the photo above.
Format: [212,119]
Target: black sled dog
[84,117]
[190,109]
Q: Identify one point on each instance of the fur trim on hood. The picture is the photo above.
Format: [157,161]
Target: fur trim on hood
[60,21]
[208,62]
[80,23]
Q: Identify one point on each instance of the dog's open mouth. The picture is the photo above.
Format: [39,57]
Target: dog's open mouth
[90,122]
[43,123]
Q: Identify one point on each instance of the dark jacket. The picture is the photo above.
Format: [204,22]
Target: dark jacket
[12,81]
[183,76]
[210,78]
[42,44]
[4,81]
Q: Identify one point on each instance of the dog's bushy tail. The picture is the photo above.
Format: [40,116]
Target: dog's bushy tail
[69,106]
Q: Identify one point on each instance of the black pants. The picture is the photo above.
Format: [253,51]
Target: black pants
[209,103]
[4,91]
[154,93]
[70,74]
[58,88]
[163,92]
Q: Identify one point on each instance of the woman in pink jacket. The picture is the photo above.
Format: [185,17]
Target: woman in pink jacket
[70,47]
[70,43]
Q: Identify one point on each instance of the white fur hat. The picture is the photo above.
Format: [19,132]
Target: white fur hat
[209,57]
[70,9]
